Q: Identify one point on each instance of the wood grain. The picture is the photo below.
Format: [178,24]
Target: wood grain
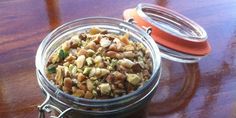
[202,90]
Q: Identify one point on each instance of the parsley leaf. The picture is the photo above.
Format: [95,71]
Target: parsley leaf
[51,68]
[63,54]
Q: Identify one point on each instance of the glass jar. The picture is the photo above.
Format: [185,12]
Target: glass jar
[178,38]
[73,107]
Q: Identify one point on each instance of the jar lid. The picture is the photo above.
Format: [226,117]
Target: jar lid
[179,38]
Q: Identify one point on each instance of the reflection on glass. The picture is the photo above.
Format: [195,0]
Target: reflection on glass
[53,13]
[162,2]
[177,86]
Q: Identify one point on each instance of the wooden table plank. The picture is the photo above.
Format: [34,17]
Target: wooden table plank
[203,90]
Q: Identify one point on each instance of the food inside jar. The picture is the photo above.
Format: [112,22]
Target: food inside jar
[98,64]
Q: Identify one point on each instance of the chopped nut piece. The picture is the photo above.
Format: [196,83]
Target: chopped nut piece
[149,64]
[70,58]
[74,81]
[71,66]
[92,72]
[80,77]
[83,36]
[110,78]
[93,78]
[59,76]
[130,88]
[89,61]
[125,39]
[90,52]
[97,39]
[87,71]
[82,51]
[129,54]
[136,68]
[100,51]
[91,45]
[104,72]
[94,31]
[68,82]
[146,74]
[80,61]
[54,58]
[98,59]
[90,85]
[104,32]
[66,46]
[66,71]
[94,93]
[105,88]
[134,79]
[74,89]
[100,65]
[113,47]
[73,52]
[112,54]
[66,89]
[75,40]
[126,63]
[147,54]
[66,64]
[119,44]
[74,71]
[142,64]
[88,95]
[105,42]
[81,86]
[119,76]
[120,85]
[79,93]
[129,48]
[98,72]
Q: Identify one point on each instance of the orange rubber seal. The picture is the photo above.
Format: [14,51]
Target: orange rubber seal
[192,47]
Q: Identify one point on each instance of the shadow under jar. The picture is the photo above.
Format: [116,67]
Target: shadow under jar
[69,106]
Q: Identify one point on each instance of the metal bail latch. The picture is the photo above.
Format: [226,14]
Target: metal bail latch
[47,107]
[148,30]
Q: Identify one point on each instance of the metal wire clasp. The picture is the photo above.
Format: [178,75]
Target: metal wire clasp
[47,107]
[148,30]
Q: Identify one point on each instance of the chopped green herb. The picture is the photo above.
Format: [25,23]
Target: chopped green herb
[63,54]
[51,68]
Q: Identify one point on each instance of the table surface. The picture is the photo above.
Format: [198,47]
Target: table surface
[201,90]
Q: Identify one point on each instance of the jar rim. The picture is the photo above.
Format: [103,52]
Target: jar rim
[173,31]
[202,33]
[155,55]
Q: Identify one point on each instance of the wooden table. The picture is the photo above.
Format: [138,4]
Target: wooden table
[201,90]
